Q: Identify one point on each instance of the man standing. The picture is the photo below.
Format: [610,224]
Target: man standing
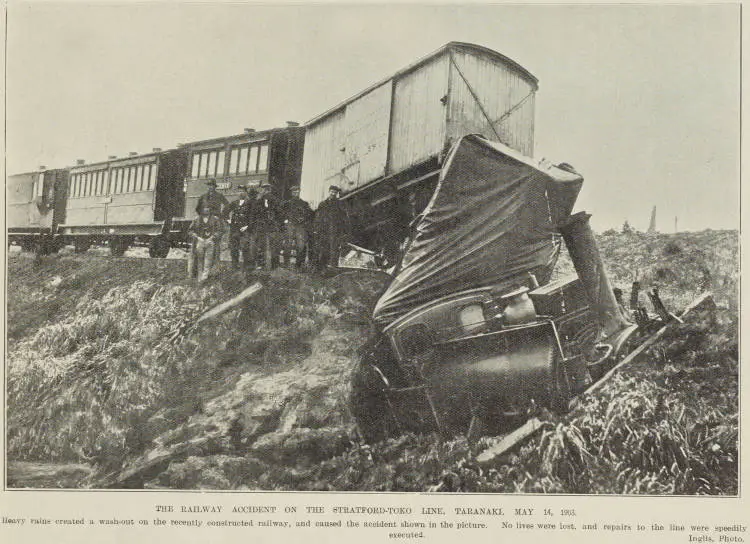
[216,203]
[237,214]
[265,224]
[331,229]
[204,231]
[298,218]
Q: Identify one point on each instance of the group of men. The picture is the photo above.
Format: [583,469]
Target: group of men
[264,229]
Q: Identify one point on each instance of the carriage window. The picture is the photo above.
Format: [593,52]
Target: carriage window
[95,183]
[100,184]
[242,167]
[151,176]
[74,186]
[137,186]
[142,181]
[233,160]
[263,158]
[252,162]
[120,180]
[196,164]
[211,167]
[145,181]
[204,165]
[220,163]
[87,187]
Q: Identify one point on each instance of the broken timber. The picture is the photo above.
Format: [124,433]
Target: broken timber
[532,426]
[231,303]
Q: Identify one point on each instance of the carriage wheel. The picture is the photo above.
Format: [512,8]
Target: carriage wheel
[81,245]
[27,244]
[159,247]
[118,247]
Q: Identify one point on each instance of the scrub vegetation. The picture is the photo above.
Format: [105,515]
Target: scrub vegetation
[107,370]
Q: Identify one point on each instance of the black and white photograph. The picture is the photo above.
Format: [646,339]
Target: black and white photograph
[423,249]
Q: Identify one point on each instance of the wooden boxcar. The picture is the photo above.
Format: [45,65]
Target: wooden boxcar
[125,201]
[35,206]
[273,155]
[388,141]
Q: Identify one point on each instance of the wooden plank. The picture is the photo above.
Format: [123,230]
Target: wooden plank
[228,305]
[509,441]
[627,360]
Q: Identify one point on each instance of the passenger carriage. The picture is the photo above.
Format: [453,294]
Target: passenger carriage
[125,201]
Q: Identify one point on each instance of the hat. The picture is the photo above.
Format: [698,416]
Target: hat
[211,182]
[334,188]
[264,184]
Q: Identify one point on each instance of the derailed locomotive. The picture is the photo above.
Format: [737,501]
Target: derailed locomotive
[472,327]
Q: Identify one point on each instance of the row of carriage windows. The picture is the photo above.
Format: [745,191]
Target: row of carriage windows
[244,159]
[126,179]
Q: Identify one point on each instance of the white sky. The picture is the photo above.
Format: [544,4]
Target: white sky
[643,100]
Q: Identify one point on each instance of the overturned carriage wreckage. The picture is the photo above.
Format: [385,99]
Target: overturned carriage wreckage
[471,327]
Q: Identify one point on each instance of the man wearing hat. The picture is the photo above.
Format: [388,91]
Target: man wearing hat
[297,220]
[265,224]
[215,202]
[331,228]
[237,214]
[204,231]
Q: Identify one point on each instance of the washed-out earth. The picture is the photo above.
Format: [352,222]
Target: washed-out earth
[111,383]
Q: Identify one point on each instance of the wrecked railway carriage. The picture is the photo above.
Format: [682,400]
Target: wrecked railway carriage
[383,147]
[472,331]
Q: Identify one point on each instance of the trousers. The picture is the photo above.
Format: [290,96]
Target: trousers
[297,240]
[201,259]
[266,241]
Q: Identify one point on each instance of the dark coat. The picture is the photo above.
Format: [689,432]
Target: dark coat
[297,211]
[208,229]
[216,203]
[237,213]
[332,219]
[265,214]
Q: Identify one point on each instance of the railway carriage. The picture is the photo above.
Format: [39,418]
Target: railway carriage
[35,206]
[125,201]
[384,146]
[273,155]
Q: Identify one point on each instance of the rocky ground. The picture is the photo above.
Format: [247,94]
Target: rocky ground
[111,384]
